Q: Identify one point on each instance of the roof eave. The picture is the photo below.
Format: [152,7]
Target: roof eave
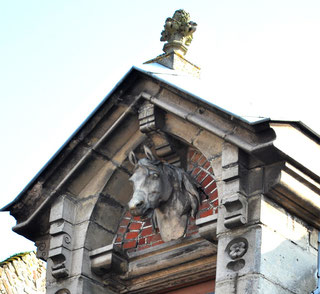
[34,179]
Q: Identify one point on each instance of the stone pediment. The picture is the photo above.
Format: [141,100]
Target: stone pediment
[73,209]
[98,151]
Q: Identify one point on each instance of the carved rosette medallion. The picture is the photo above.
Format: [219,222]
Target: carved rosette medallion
[237,250]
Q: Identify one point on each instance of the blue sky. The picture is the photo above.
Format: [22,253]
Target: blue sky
[58,59]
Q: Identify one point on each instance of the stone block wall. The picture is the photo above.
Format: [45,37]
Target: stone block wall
[288,250]
[23,273]
[280,255]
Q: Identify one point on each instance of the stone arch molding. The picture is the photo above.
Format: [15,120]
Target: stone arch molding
[170,138]
[102,190]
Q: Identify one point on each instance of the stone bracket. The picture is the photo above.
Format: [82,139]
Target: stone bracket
[61,262]
[208,228]
[106,259]
[236,210]
[151,120]
[61,231]
[43,248]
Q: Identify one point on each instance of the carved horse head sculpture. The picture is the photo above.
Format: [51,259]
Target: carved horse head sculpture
[164,192]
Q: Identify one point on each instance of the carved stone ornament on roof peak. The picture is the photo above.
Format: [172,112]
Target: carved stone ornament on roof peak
[178,32]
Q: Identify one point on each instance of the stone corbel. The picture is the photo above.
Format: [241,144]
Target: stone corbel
[151,120]
[208,228]
[61,231]
[233,202]
[43,248]
[107,259]
[236,210]
[61,262]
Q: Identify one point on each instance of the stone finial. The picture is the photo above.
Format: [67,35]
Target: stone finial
[178,32]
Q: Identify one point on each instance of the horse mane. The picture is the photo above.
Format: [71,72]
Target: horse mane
[184,184]
[181,181]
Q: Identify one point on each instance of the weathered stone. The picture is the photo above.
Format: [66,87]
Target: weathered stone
[176,61]
[284,224]
[230,155]
[116,140]
[314,237]
[119,187]
[208,228]
[83,176]
[230,173]
[235,210]
[107,213]
[178,32]
[97,236]
[267,202]
[251,258]
[253,284]
[279,253]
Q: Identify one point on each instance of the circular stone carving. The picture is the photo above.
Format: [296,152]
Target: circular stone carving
[237,248]
[236,265]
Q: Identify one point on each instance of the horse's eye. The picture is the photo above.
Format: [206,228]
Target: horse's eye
[155,176]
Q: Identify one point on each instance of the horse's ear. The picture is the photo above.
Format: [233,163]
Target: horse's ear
[133,159]
[148,153]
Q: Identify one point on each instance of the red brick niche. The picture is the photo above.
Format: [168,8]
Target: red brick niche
[136,234]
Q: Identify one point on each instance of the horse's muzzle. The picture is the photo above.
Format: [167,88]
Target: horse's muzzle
[137,205]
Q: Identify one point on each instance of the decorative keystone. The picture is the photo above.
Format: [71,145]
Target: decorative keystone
[178,32]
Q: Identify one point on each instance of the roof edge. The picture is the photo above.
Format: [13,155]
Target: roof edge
[33,180]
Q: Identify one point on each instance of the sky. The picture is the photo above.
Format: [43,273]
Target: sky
[59,59]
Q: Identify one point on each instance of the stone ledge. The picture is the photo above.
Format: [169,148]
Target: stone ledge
[155,268]
[298,193]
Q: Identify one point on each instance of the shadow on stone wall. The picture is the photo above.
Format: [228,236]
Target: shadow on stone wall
[290,264]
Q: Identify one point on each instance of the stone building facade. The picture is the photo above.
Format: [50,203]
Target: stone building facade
[255,230]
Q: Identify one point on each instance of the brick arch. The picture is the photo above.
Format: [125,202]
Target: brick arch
[137,234]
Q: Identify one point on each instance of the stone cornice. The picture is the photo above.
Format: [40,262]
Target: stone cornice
[155,268]
[228,130]
[297,192]
[125,100]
